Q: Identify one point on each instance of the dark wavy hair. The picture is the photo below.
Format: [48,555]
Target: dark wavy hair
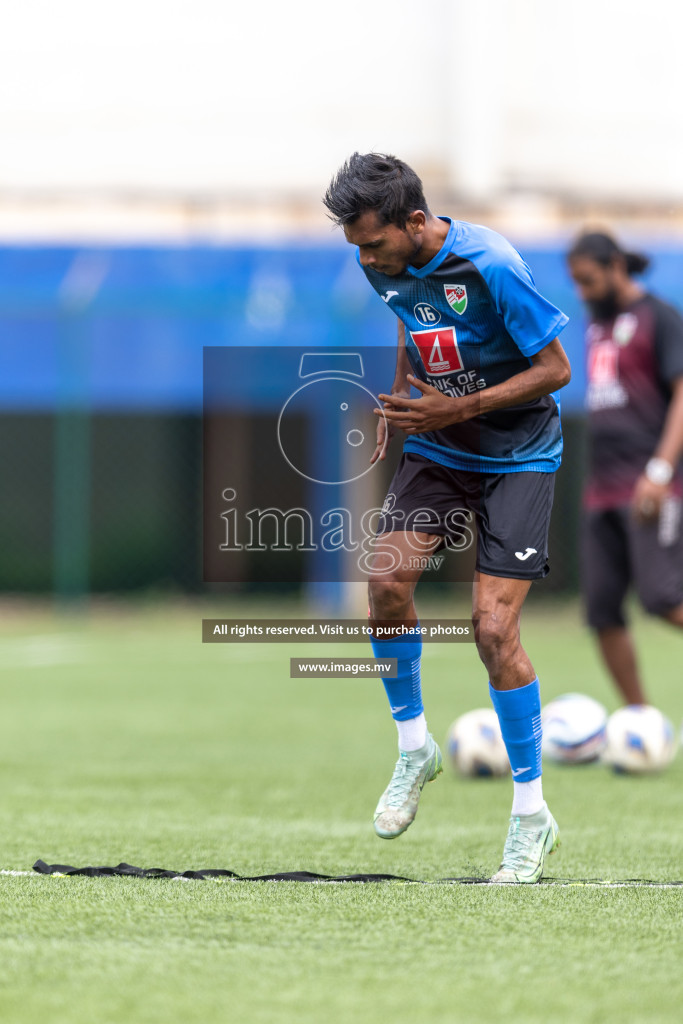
[603,249]
[374,181]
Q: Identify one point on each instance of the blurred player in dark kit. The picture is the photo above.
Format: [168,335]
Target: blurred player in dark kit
[632,501]
[479,343]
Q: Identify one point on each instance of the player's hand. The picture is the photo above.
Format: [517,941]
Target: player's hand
[432,411]
[385,430]
[647,499]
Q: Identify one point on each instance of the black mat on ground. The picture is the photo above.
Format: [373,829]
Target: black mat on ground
[128,870]
[124,869]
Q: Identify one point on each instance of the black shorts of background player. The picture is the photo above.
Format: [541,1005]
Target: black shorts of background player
[632,498]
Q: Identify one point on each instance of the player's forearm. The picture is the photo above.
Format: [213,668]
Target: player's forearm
[670,445]
[523,387]
[434,410]
[549,371]
[403,367]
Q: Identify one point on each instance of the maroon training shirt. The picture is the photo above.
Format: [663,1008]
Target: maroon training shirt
[632,361]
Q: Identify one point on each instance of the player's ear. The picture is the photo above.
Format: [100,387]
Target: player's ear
[416,221]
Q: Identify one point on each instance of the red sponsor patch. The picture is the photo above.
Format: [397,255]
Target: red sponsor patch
[603,363]
[439,351]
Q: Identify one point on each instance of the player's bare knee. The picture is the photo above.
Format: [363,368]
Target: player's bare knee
[674,615]
[496,635]
[653,604]
[389,598]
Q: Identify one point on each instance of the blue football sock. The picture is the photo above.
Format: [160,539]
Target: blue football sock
[519,714]
[404,692]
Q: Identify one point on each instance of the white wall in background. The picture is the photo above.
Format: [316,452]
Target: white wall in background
[270,97]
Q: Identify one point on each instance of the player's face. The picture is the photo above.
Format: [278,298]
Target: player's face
[386,248]
[597,285]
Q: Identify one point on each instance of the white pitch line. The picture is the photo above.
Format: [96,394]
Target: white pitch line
[548,883]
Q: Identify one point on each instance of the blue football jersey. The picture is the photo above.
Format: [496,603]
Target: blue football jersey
[473,317]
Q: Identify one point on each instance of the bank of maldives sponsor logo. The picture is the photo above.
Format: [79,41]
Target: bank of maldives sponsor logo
[456,297]
[439,351]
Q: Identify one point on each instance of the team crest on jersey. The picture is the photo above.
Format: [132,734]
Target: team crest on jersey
[439,351]
[456,297]
[624,328]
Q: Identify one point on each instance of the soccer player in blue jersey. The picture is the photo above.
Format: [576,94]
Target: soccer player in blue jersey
[479,344]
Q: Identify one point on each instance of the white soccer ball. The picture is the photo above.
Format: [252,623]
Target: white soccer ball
[639,739]
[574,729]
[475,744]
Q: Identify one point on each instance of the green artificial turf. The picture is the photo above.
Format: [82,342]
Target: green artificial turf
[123,738]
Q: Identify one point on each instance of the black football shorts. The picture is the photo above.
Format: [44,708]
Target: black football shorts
[511,512]
[617,552]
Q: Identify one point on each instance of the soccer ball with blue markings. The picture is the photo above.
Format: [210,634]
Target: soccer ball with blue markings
[639,739]
[475,745]
[574,729]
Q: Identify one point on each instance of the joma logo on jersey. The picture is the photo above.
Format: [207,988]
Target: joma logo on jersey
[456,297]
[439,351]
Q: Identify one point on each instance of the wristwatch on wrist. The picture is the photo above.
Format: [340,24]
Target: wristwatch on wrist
[659,471]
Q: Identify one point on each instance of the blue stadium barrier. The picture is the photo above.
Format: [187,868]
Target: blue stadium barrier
[98,343]
[144,314]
